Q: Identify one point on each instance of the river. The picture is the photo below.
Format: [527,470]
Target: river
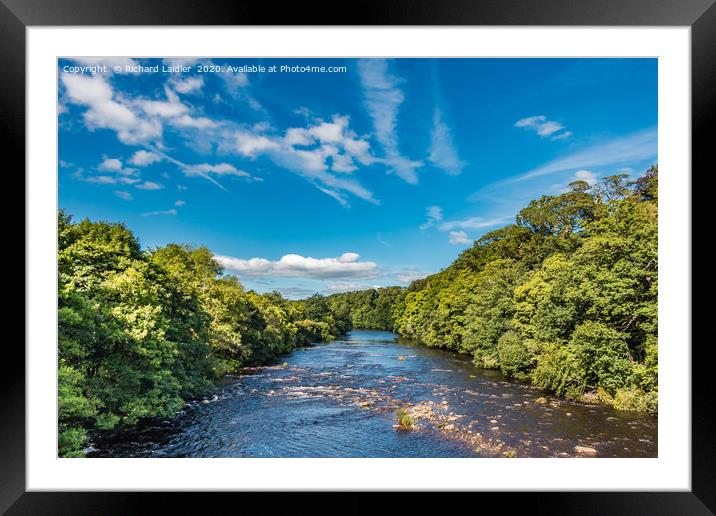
[339,399]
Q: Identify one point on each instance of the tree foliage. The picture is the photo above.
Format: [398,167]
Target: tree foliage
[141,332]
[566,297]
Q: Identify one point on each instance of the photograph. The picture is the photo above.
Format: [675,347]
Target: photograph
[359,257]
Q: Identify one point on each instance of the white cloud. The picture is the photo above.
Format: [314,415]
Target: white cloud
[143,158]
[126,196]
[459,237]
[585,175]
[348,265]
[442,148]
[562,136]
[179,203]
[187,85]
[104,112]
[471,223]
[174,111]
[160,212]
[543,127]
[382,99]
[149,185]
[635,147]
[250,144]
[314,152]
[298,136]
[104,179]
[110,165]
[164,108]
[335,287]
[219,169]
[435,214]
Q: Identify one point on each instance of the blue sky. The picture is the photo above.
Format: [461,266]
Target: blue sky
[365,173]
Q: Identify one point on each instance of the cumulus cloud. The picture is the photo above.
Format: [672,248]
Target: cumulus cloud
[585,175]
[187,85]
[443,153]
[459,237]
[544,127]
[348,265]
[383,99]
[435,214]
[316,152]
[110,165]
[143,158]
[174,111]
[105,112]
[149,185]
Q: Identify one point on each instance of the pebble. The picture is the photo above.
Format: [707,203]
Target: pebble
[585,450]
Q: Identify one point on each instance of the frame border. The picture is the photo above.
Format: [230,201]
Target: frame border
[700,15]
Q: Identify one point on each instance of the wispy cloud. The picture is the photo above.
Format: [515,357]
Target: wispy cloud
[472,223]
[435,214]
[324,153]
[348,265]
[125,196]
[159,212]
[382,99]
[635,147]
[443,153]
[544,127]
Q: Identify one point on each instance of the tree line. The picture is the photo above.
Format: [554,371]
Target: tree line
[565,298]
[143,331]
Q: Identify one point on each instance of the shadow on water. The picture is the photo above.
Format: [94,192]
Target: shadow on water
[339,399]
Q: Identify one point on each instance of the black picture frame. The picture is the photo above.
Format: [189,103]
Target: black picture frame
[700,15]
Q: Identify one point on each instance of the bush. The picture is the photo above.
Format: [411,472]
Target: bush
[71,441]
[631,399]
[513,355]
[559,370]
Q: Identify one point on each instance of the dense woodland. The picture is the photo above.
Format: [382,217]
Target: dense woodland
[142,332]
[565,298]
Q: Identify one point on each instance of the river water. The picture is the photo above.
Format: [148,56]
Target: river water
[339,399]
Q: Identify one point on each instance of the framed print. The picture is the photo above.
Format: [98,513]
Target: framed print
[431,248]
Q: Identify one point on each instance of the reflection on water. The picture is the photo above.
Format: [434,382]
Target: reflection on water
[339,400]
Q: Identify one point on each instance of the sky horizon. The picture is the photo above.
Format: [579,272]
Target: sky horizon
[359,174]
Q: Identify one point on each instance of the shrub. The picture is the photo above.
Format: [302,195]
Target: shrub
[631,399]
[559,369]
[404,420]
[513,355]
